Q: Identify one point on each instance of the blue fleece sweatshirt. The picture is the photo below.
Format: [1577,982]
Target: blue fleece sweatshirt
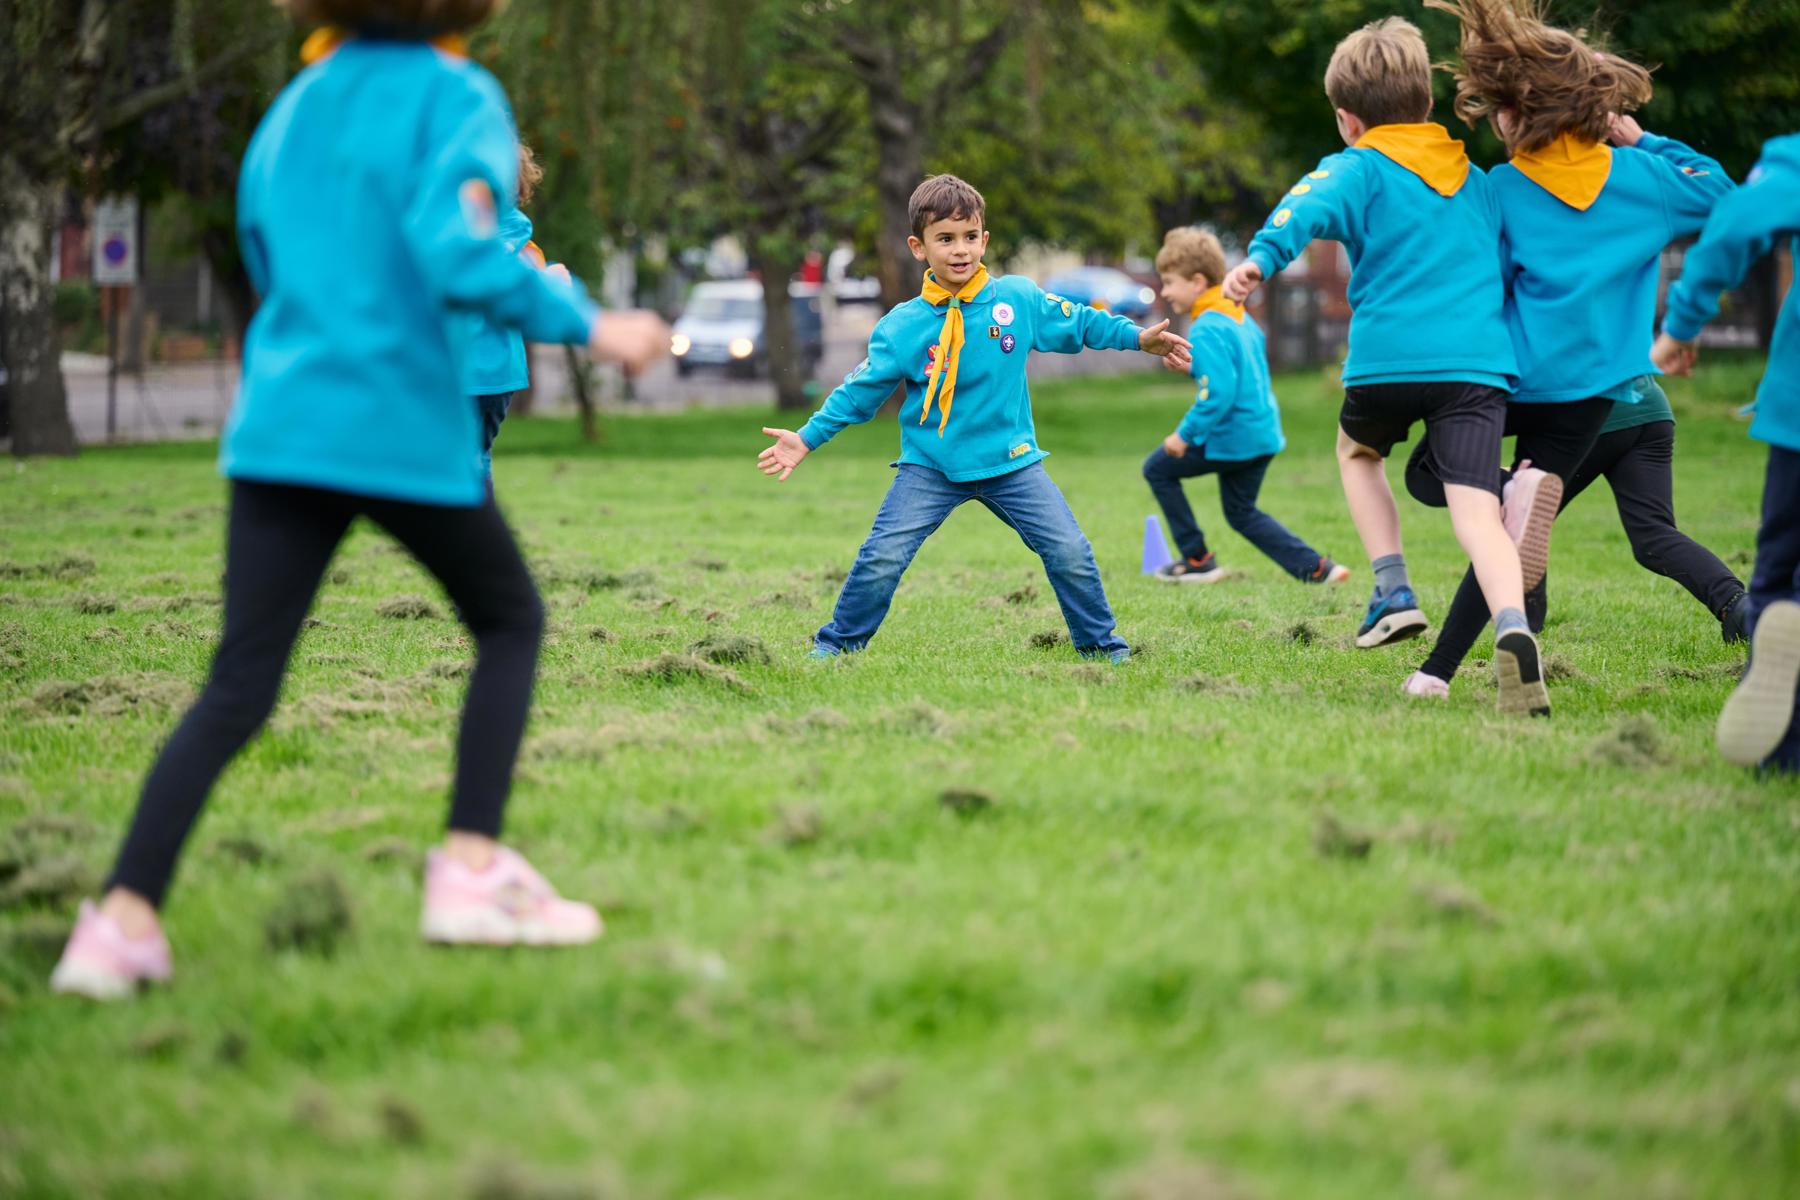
[1234,416]
[1741,230]
[1581,284]
[366,216]
[990,431]
[1424,268]
[493,357]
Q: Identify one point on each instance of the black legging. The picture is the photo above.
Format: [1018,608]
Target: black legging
[1639,464]
[1556,438]
[279,541]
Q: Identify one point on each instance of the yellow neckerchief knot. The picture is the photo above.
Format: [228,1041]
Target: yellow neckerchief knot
[1213,300]
[1571,168]
[1426,149]
[326,38]
[942,372]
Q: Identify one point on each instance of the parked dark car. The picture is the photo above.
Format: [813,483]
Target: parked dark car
[722,328]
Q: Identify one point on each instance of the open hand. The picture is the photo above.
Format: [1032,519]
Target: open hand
[1241,280]
[1179,361]
[1174,446]
[1157,340]
[784,455]
[1623,130]
[632,338]
[1672,357]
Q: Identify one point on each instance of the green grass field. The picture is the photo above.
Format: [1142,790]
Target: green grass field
[962,916]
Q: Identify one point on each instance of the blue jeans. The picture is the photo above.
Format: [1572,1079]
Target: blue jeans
[919,502]
[492,410]
[1239,483]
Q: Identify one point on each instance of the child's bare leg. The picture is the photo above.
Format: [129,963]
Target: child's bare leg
[1371,500]
[1475,515]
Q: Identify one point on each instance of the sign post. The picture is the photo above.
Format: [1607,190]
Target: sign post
[115,267]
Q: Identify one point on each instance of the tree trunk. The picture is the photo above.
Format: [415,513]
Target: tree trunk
[899,167]
[28,338]
[775,263]
[584,396]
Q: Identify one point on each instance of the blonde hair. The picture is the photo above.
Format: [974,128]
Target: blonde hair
[530,173]
[1382,73]
[1550,80]
[1189,251]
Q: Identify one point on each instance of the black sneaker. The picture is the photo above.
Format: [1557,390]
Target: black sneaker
[1732,625]
[1193,570]
[1520,674]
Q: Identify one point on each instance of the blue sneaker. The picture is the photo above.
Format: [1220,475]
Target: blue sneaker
[819,651]
[1115,657]
[1392,617]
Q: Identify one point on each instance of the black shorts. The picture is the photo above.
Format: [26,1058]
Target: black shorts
[1465,420]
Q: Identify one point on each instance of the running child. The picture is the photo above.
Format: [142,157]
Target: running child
[960,348]
[387,152]
[1428,339]
[1757,724]
[1233,429]
[1583,227]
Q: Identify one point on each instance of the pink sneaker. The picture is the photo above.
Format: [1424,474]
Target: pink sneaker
[1528,505]
[507,904]
[101,963]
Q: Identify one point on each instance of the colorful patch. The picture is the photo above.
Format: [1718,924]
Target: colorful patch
[1003,314]
[993,331]
[1319,175]
[1021,448]
[858,369]
[931,353]
[1008,341]
[1068,309]
[477,200]
[1281,218]
[1694,171]
[1300,189]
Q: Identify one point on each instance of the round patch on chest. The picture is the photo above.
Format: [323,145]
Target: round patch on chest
[1003,314]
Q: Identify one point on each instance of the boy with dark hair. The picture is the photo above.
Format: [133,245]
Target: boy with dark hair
[1583,225]
[1428,341]
[960,347]
[1233,429]
[1757,724]
[351,407]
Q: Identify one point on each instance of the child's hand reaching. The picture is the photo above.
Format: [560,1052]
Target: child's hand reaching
[1174,446]
[1623,130]
[632,338]
[559,273]
[1241,280]
[1172,348]
[1673,357]
[784,455]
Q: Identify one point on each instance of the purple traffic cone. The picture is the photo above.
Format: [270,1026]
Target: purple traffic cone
[1156,550]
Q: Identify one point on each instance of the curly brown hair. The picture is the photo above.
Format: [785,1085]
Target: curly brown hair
[530,173]
[1548,80]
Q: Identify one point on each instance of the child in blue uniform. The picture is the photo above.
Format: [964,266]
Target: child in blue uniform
[966,430]
[1757,724]
[387,152]
[1583,227]
[1428,339]
[1233,429]
[494,365]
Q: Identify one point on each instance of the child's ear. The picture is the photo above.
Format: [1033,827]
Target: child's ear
[917,247]
[1202,282]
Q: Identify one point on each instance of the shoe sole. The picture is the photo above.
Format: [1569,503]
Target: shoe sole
[1394,627]
[1757,716]
[1520,673]
[1194,577]
[1534,538]
[81,979]
[486,927]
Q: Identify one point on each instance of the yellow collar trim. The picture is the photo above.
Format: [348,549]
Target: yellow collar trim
[942,383]
[1427,150]
[1213,300]
[326,38]
[1571,168]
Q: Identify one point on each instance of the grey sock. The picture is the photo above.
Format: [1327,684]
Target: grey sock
[1508,619]
[1390,573]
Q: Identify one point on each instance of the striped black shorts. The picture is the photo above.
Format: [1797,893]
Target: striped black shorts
[1465,421]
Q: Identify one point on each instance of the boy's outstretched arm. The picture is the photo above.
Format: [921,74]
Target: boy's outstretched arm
[1325,204]
[1742,228]
[1690,182]
[853,401]
[1065,327]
